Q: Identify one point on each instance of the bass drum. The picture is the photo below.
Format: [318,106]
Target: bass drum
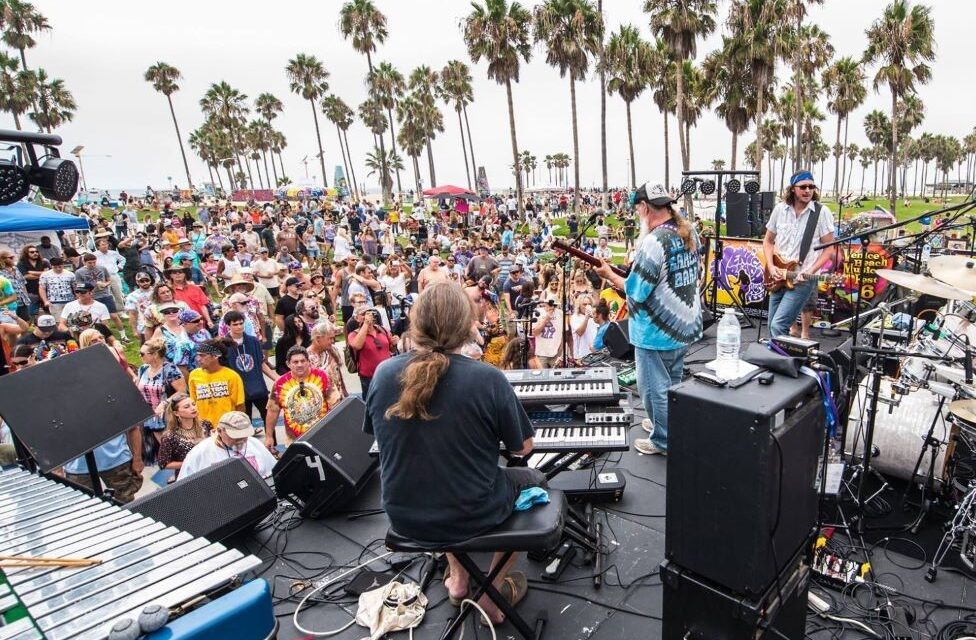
[899,431]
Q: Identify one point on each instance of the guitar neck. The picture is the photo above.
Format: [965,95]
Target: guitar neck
[585,257]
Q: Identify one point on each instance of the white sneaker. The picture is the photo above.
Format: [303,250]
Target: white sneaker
[645,446]
[647,425]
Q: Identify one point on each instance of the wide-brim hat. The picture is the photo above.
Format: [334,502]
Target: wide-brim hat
[237,279]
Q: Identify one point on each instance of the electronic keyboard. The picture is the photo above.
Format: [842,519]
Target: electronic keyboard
[558,386]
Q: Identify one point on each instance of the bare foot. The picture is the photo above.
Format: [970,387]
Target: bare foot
[457,587]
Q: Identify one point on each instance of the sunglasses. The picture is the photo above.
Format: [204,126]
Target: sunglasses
[806,187]
[19,362]
[170,311]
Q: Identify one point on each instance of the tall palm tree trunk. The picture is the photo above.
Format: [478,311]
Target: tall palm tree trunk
[840,152]
[416,174]
[179,138]
[893,168]
[515,153]
[352,165]
[682,140]
[464,149]
[604,198]
[220,181]
[667,154]
[875,192]
[576,170]
[630,146]
[760,106]
[318,139]
[257,169]
[850,175]
[264,159]
[345,163]
[430,162]
[382,145]
[250,177]
[474,163]
[735,149]
[230,181]
[915,180]
[210,172]
[281,163]
[274,170]
[843,163]
[393,142]
[864,170]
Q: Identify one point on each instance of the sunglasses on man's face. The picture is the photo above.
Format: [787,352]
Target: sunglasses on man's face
[168,312]
[806,187]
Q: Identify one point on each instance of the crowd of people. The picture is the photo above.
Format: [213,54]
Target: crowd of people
[261,309]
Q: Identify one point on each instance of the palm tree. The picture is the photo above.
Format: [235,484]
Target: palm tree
[844,83]
[424,82]
[679,24]
[603,119]
[163,78]
[455,88]
[20,21]
[339,114]
[307,77]
[877,128]
[571,31]
[385,84]
[865,159]
[759,25]
[205,146]
[499,33]
[362,22]
[901,42]
[627,62]
[228,109]
[54,103]
[852,152]
[268,106]
[811,52]
[17,88]
[371,113]
[379,165]
[411,136]
[278,144]
[730,78]
[664,78]
[718,165]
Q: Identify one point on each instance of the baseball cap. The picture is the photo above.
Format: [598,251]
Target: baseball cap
[46,322]
[56,260]
[236,424]
[83,286]
[654,194]
[263,250]
[290,281]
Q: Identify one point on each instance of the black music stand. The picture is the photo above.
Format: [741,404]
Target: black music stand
[66,407]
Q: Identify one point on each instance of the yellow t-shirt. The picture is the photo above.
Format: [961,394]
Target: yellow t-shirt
[215,393]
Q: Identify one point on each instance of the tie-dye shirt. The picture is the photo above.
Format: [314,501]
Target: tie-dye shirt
[662,292]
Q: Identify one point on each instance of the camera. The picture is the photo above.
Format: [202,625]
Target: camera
[375,315]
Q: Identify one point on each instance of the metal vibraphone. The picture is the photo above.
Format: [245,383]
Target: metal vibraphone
[142,562]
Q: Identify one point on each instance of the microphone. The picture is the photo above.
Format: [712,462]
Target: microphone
[593,216]
[968,362]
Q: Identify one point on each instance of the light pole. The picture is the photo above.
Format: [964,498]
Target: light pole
[76,152]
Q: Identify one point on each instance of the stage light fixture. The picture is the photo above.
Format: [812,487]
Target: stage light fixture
[57,179]
[14,183]
[733,186]
[687,186]
[707,187]
[752,186]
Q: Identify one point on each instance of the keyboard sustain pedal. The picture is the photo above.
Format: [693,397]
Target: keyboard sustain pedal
[606,486]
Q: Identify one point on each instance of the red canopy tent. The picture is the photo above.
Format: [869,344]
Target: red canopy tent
[450,191]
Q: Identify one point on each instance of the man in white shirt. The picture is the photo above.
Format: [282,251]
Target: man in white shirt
[233,438]
[112,261]
[603,250]
[84,302]
[548,334]
[784,237]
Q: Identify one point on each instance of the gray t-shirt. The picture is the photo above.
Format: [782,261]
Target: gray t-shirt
[441,479]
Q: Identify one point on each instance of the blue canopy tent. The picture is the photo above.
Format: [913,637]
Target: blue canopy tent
[24,216]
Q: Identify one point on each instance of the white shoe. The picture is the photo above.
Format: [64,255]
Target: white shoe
[647,425]
[645,446]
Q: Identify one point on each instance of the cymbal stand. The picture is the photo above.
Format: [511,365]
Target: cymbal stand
[964,521]
[932,445]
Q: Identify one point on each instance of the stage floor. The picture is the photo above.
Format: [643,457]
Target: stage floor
[627,606]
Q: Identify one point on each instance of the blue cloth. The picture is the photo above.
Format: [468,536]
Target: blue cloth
[24,216]
[531,497]
[657,371]
[112,454]
[785,306]
[801,175]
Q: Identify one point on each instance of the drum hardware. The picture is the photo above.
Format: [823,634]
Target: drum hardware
[928,487]
[963,524]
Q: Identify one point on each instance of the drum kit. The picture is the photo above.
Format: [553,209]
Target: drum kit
[931,397]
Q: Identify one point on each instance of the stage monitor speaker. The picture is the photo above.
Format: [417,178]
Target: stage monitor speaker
[768,201]
[696,609]
[741,468]
[330,464]
[617,342]
[757,221]
[737,215]
[216,503]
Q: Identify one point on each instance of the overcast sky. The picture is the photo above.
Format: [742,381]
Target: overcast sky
[102,50]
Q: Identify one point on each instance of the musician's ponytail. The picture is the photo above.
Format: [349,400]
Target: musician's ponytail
[440,322]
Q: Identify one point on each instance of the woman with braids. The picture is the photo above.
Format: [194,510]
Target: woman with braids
[184,430]
[662,299]
[435,404]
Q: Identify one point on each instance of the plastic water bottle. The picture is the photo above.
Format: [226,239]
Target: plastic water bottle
[926,253]
[727,344]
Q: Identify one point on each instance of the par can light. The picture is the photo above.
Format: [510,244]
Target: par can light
[752,186]
[687,186]
[707,187]
[57,179]
[14,183]
[733,186]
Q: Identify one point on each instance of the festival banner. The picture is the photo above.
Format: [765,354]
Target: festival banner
[483,181]
[876,257]
[339,180]
[740,274]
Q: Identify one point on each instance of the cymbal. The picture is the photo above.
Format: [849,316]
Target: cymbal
[923,284]
[964,409]
[958,271]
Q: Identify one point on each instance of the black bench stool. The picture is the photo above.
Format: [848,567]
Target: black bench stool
[538,529]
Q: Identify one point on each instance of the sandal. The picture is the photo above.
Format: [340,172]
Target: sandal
[454,601]
[513,589]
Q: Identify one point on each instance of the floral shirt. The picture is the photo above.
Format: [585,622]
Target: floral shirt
[152,386]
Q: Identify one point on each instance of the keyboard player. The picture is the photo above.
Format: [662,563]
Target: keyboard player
[438,417]
[662,303]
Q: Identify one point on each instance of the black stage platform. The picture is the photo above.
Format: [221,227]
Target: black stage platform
[627,606]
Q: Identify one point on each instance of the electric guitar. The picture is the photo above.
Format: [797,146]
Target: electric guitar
[585,257]
[792,271]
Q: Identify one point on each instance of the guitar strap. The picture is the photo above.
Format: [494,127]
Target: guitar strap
[807,239]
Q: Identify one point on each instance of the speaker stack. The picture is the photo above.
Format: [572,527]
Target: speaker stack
[741,508]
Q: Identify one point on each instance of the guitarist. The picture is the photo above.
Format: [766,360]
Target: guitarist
[663,303]
[790,233]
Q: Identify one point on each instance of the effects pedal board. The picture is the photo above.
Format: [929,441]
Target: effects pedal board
[606,486]
[602,414]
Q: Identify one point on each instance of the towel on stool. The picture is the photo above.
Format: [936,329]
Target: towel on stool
[531,497]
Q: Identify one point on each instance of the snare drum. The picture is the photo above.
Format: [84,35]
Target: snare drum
[900,434]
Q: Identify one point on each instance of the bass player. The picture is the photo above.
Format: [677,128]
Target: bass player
[794,225]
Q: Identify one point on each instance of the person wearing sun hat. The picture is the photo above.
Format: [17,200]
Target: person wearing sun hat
[662,298]
[796,225]
[233,437]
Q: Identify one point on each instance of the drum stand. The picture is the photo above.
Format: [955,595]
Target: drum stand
[964,522]
[928,488]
